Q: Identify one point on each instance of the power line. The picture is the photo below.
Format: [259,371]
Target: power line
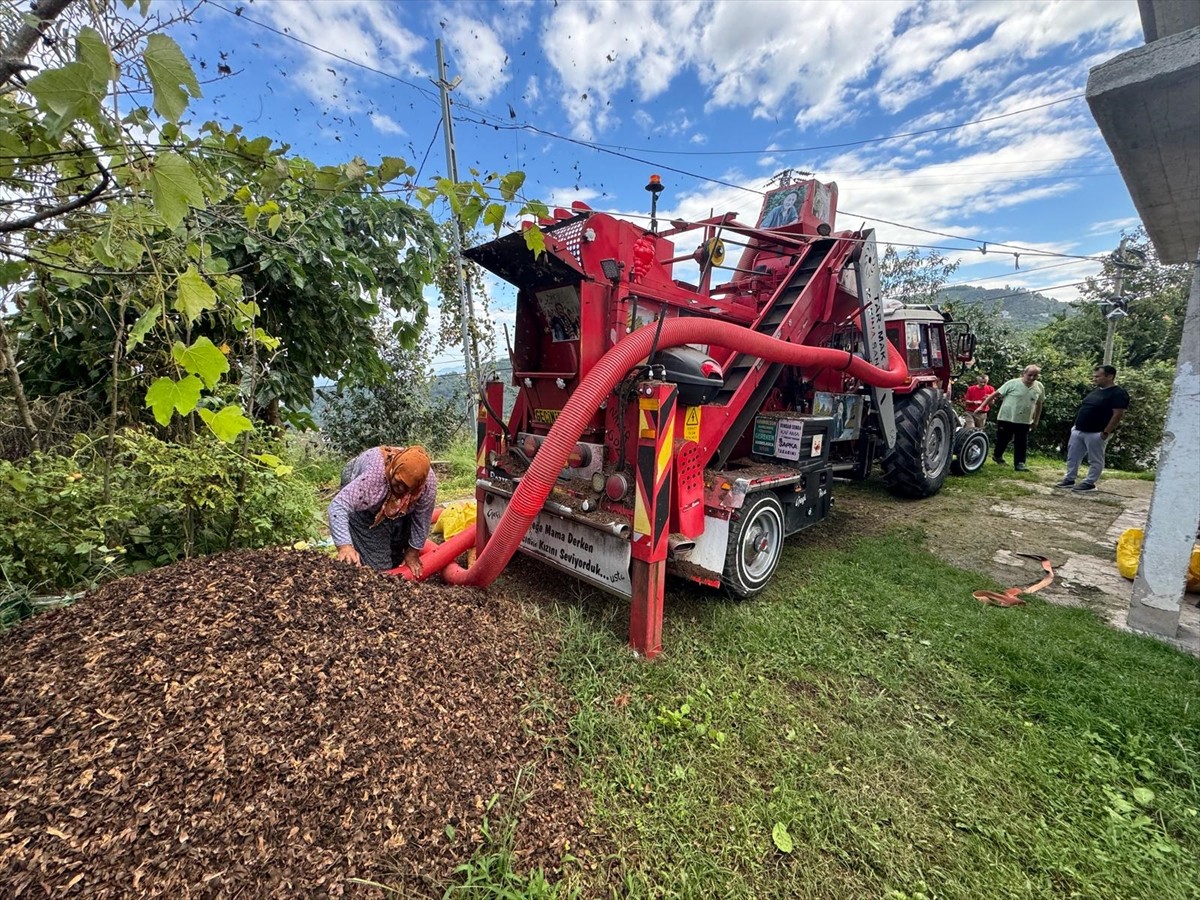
[1057,265]
[617,150]
[291,37]
[837,146]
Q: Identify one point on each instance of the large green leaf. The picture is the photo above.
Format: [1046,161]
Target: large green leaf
[510,184]
[494,216]
[535,240]
[12,271]
[782,839]
[142,327]
[171,76]
[227,423]
[193,295]
[174,187]
[91,50]
[391,167]
[65,95]
[167,396]
[203,358]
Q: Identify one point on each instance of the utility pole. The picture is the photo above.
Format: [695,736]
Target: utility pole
[1125,260]
[445,86]
[1112,313]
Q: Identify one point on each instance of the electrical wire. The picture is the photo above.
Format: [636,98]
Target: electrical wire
[436,130]
[354,62]
[858,143]
[617,150]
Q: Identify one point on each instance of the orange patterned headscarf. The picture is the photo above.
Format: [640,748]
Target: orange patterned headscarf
[406,469]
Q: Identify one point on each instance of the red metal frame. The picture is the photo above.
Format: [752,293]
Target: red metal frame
[790,282]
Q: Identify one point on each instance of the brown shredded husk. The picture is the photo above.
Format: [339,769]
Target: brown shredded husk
[274,723]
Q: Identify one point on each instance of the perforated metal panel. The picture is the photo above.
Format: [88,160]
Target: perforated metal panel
[691,472]
[570,233]
[689,490]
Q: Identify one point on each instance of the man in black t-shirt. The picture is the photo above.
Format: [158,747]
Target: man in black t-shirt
[1095,422]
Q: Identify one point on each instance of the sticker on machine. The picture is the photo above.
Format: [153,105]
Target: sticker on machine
[585,552]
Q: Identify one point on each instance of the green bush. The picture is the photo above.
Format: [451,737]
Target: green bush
[1136,443]
[60,530]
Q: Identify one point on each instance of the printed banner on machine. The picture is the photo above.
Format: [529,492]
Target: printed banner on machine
[587,553]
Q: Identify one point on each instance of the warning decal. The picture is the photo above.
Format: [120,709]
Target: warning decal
[691,423]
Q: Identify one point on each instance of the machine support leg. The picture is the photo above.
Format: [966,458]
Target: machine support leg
[487,441]
[646,613]
[651,514]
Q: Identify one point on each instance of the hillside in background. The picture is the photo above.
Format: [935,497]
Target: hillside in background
[1024,310]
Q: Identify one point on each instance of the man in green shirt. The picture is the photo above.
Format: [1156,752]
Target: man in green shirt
[1020,409]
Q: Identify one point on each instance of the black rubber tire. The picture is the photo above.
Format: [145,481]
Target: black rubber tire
[755,545]
[920,461]
[971,446]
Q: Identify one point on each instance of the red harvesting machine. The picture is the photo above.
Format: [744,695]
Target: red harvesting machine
[664,425]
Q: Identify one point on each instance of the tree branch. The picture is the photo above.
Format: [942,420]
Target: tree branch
[12,57]
[62,209]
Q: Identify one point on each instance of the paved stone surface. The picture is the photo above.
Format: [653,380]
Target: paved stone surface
[1088,576]
[983,526]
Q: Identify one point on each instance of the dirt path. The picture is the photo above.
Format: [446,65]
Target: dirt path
[982,523]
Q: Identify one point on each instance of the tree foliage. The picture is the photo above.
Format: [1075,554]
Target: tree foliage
[1144,351]
[178,278]
[914,277]
[396,407]
[162,238]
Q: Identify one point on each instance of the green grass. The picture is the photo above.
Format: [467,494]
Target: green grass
[461,480]
[910,741]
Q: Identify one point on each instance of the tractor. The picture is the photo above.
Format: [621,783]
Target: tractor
[680,412]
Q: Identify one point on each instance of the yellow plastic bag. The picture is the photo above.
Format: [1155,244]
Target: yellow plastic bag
[457,516]
[1129,551]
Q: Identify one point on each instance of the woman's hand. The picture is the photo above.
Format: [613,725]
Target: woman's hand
[412,559]
[347,553]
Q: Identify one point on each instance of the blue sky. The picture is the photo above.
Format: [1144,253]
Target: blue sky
[716,96]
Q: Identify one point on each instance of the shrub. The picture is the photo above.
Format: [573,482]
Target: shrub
[60,530]
[1136,443]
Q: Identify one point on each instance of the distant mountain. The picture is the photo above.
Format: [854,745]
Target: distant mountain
[450,384]
[1024,310]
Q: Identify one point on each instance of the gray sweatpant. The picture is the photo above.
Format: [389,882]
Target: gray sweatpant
[1089,444]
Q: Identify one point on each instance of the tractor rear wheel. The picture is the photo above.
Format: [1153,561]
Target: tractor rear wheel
[755,544]
[917,465]
[970,451]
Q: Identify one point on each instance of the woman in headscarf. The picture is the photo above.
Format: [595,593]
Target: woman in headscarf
[380,517]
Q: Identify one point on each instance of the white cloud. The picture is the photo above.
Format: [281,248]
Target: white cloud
[812,62]
[600,47]
[385,124]
[1114,226]
[368,33]
[533,90]
[564,196]
[481,59]
[791,58]
[981,44]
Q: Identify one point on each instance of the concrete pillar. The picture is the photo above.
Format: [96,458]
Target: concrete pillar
[1175,506]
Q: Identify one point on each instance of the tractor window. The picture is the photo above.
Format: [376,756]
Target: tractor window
[936,357]
[912,343]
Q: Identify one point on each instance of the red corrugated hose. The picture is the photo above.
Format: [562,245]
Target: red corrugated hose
[608,372]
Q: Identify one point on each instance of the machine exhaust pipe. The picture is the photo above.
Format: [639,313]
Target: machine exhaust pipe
[679,547]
